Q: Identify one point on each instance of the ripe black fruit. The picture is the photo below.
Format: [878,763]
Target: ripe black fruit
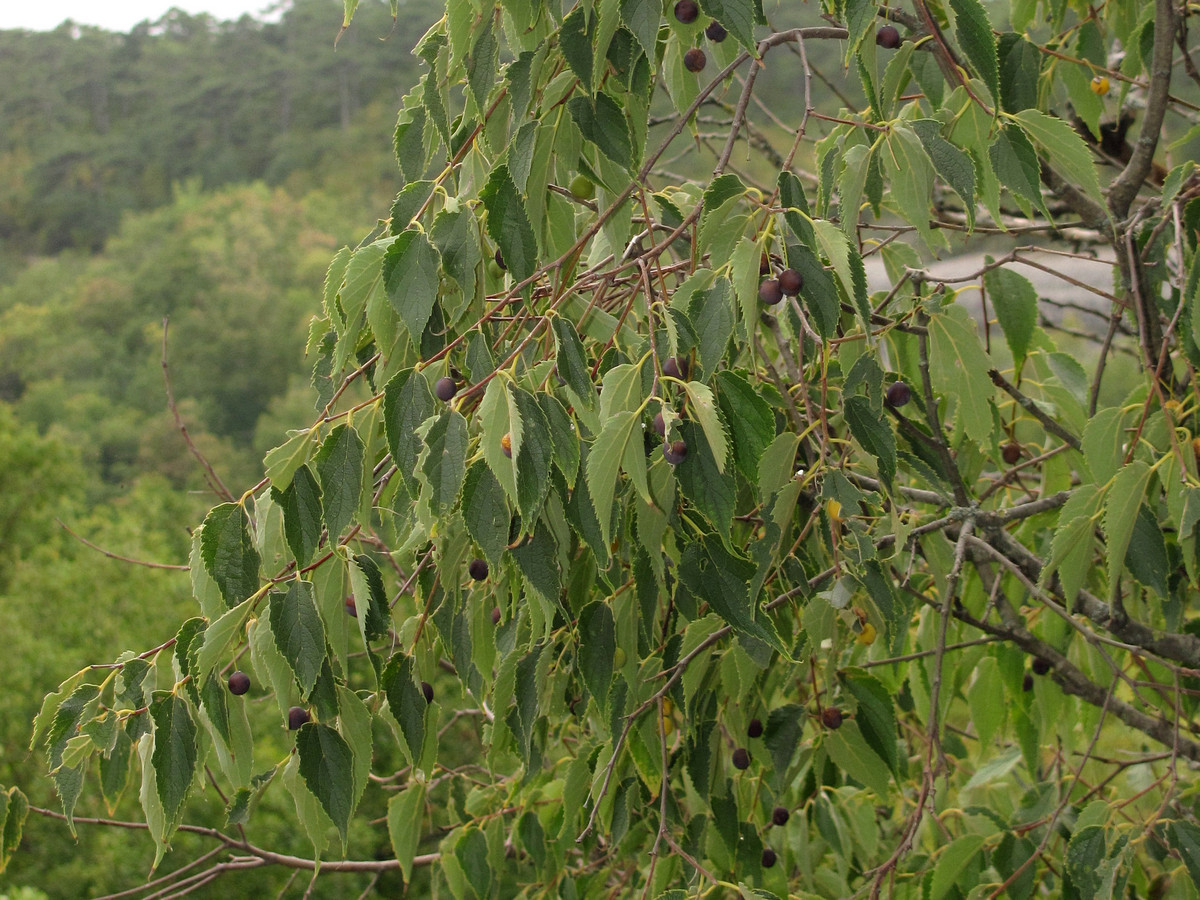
[695,60]
[675,367]
[445,389]
[427,690]
[768,857]
[898,394]
[686,11]
[477,569]
[297,716]
[675,452]
[770,292]
[495,615]
[1011,452]
[659,425]
[351,607]
[1041,665]
[716,32]
[1027,682]
[780,815]
[791,281]
[500,260]
[239,683]
[831,717]
[888,37]
[741,758]
[755,728]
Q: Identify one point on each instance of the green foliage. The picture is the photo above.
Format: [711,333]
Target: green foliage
[730,569]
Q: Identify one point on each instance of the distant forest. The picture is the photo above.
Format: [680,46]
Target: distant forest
[97,124]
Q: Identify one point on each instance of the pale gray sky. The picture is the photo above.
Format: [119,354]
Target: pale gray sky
[115,15]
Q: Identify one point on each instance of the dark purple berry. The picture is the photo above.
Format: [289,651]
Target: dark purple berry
[790,281]
[297,716]
[888,37]
[755,728]
[715,32]
[741,758]
[768,857]
[427,690]
[351,607]
[686,11]
[500,260]
[897,394]
[1027,682]
[659,425]
[1011,452]
[478,569]
[445,389]
[239,683]
[770,292]
[495,615]
[674,452]
[831,718]
[1041,665]
[780,815]
[695,60]
[674,367]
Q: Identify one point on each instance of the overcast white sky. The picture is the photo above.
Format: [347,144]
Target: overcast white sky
[115,15]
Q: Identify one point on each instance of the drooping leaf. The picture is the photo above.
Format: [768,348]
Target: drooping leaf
[876,714]
[228,552]
[301,505]
[597,644]
[974,32]
[751,421]
[407,402]
[404,815]
[508,223]
[874,432]
[175,751]
[326,763]
[340,468]
[299,632]
[1016,304]
[445,461]
[958,366]
[1121,512]
[1064,148]
[406,702]
[410,274]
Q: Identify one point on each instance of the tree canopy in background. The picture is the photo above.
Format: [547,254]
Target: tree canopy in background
[640,544]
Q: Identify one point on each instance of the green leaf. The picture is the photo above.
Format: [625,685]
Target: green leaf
[1016,303]
[1072,546]
[472,854]
[508,223]
[369,593]
[533,455]
[702,481]
[604,462]
[340,469]
[874,432]
[850,753]
[485,511]
[404,814]
[14,808]
[301,505]
[445,462]
[406,701]
[1064,148]
[483,63]
[456,236]
[1102,443]
[597,645]
[575,37]
[958,366]
[299,632]
[722,580]
[1146,557]
[702,405]
[795,206]
[281,462]
[712,313]
[974,33]
[228,552]
[407,402]
[876,715]
[1085,853]
[1016,165]
[1121,511]
[602,123]
[642,18]
[951,862]
[1185,838]
[410,275]
[751,421]
[175,751]
[738,17]
[950,162]
[1020,67]
[326,764]
[910,174]
[984,697]
[572,364]
[218,636]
